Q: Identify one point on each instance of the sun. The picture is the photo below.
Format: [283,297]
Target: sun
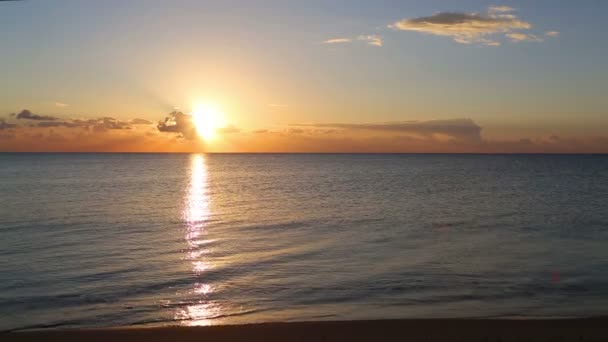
[207,119]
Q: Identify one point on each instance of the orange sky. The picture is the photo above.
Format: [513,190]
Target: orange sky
[139,135]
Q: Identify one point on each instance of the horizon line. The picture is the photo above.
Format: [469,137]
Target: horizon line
[328,153]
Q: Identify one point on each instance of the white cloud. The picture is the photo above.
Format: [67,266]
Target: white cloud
[552,34]
[500,9]
[517,37]
[372,39]
[337,41]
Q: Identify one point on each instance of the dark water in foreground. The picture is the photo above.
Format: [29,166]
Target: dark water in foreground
[117,239]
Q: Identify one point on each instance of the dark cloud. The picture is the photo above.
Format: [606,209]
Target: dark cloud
[28,115]
[100,124]
[549,144]
[178,122]
[464,129]
[48,124]
[6,125]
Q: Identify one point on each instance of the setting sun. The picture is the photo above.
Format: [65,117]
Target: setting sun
[207,119]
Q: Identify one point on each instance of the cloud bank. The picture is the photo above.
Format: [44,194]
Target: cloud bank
[459,129]
[28,132]
[48,121]
[176,133]
[99,124]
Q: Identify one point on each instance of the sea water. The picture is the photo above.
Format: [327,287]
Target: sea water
[96,240]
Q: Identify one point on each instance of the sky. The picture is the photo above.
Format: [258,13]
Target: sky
[304,76]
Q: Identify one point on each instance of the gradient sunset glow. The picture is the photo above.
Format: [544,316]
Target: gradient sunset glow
[291,76]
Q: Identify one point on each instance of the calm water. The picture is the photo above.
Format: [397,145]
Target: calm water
[118,239]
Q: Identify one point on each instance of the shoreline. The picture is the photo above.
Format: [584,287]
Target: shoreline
[428,330]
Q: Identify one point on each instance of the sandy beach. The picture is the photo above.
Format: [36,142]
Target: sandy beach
[592,329]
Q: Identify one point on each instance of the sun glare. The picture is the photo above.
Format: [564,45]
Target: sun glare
[207,119]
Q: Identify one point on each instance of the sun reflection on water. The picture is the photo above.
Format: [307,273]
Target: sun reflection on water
[196,216]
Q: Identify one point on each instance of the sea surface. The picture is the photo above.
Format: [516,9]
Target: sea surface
[97,240]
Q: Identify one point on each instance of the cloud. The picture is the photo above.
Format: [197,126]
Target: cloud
[523,37]
[275,105]
[433,136]
[6,125]
[373,39]
[461,129]
[137,121]
[62,139]
[28,115]
[552,34]
[467,28]
[178,122]
[110,123]
[337,41]
[370,39]
[61,104]
[175,122]
[98,125]
[68,124]
[500,9]
[85,135]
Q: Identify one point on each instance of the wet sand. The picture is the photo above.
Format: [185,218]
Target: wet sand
[429,330]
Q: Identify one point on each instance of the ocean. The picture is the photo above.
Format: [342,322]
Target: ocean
[104,240]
